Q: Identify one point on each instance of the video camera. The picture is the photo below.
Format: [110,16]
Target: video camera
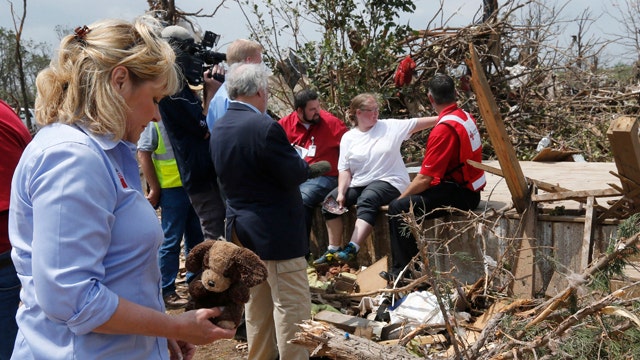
[195,58]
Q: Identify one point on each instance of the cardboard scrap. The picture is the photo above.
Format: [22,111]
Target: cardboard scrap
[369,280]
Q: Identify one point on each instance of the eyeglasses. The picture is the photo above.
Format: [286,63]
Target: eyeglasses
[371,110]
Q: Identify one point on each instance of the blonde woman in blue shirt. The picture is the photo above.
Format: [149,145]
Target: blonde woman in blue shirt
[85,240]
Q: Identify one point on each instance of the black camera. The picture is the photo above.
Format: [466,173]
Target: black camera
[195,58]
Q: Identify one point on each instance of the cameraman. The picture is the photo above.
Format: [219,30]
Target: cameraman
[241,50]
[183,115]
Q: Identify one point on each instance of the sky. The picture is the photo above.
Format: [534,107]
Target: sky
[44,15]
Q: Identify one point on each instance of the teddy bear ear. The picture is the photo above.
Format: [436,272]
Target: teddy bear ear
[196,256]
[251,268]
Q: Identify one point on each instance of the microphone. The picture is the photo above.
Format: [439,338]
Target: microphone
[176,32]
[320,168]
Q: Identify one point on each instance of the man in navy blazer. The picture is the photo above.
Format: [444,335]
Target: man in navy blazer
[260,173]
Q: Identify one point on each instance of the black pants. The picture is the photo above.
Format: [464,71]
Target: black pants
[368,199]
[403,245]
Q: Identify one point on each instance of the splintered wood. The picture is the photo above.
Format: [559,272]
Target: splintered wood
[323,339]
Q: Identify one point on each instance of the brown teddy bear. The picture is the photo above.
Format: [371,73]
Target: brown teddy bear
[225,272]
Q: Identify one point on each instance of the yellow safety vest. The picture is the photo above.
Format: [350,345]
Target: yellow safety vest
[165,164]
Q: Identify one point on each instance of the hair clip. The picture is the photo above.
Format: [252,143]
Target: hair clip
[81,33]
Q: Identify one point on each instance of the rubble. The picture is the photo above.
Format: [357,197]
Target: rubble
[433,317]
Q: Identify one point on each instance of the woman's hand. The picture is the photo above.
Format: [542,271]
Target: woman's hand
[180,350]
[197,329]
[340,200]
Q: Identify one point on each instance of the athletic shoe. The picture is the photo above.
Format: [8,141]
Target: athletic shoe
[347,254]
[328,257]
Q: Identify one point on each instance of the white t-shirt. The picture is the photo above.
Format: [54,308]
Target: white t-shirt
[375,154]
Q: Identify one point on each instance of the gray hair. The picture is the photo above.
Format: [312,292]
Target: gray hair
[246,79]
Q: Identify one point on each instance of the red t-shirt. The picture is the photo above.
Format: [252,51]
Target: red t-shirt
[442,152]
[14,137]
[325,135]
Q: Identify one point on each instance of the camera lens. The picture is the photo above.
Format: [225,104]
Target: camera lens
[218,77]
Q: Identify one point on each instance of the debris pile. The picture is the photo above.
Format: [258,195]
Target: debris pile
[359,314]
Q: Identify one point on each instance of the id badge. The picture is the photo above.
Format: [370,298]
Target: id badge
[312,151]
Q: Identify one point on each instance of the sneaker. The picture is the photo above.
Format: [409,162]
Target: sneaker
[347,254]
[174,301]
[328,257]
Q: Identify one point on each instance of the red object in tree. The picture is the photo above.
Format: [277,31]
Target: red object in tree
[465,83]
[405,71]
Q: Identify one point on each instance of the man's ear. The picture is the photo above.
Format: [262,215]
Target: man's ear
[119,78]
[431,99]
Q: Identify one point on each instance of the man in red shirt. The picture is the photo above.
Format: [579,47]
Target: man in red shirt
[14,137]
[316,134]
[445,179]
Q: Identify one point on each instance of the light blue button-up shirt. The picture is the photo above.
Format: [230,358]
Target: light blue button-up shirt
[218,106]
[82,235]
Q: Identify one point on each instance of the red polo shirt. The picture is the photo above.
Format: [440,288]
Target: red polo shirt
[442,151]
[14,137]
[325,135]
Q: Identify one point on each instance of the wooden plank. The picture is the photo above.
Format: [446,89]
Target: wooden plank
[498,134]
[524,270]
[548,187]
[369,280]
[625,180]
[420,339]
[487,168]
[342,321]
[551,155]
[539,184]
[587,237]
[574,195]
[625,146]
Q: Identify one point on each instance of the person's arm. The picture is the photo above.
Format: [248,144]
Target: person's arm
[419,184]
[192,327]
[424,123]
[344,180]
[149,172]
[211,86]
[280,158]
[68,265]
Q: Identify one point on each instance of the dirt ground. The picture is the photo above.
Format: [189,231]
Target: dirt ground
[222,350]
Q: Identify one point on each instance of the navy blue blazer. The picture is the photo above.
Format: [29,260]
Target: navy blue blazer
[260,173]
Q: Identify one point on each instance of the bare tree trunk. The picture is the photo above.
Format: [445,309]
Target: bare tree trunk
[489,8]
[168,6]
[23,81]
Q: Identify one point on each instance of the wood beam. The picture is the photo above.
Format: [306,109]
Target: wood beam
[579,195]
[505,152]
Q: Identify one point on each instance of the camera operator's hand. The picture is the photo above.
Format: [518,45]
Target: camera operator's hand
[217,72]
[211,84]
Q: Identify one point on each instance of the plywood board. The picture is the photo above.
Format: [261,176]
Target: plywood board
[369,280]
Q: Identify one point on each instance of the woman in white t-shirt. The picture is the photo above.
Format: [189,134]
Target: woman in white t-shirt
[371,173]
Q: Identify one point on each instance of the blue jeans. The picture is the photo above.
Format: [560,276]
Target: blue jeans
[9,301]
[313,192]
[178,220]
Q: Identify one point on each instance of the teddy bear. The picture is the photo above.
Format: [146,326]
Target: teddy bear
[225,272]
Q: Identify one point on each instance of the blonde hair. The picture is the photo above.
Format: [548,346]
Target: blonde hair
[76,86]
[358,102]
[239,50]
